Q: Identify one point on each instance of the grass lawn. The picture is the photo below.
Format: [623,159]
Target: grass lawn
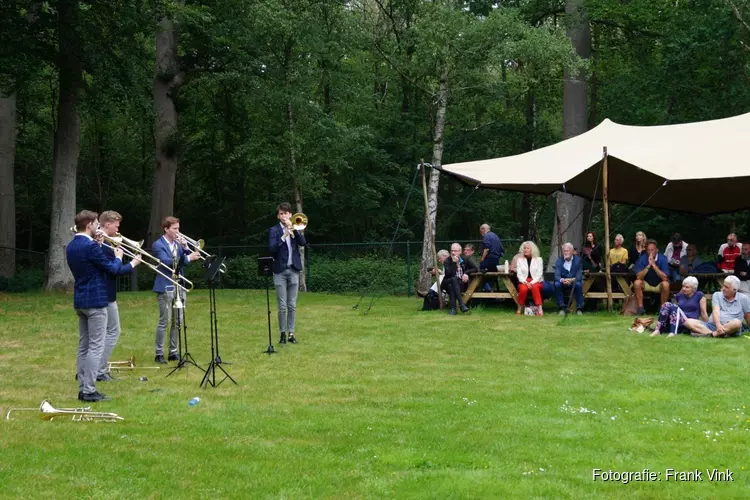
[398,403]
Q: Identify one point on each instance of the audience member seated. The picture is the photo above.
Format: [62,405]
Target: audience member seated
[675,251]
[638,248]
[728,253]
[465,268]
[728,309]
[591,253]
[652,275]
[569,278]
[618,256]
[690,261]
[452,277]
[742,269]
[492,249]
[530,273]
[469,250]
[688,304]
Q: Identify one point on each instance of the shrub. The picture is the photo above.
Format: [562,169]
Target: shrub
[23,281]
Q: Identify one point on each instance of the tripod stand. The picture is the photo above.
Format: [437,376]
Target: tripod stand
[178,316]
[265,268]
[212,269]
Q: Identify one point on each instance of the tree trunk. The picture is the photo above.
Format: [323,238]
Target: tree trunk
[297,190]
[167,81]
[571,210]
[528,146]
[67,147]
[428,240]
[7,185]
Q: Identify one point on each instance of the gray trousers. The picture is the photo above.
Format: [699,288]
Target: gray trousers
[287,286]
[165,321]
[92,326]
[111,337]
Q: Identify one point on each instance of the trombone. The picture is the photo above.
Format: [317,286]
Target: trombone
[133,249]
[128,364]
[49,412]
[299,223]
[197,246]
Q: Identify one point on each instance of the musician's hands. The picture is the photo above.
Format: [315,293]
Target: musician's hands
[136,260]
[99,238]
[119,253]
[194,256]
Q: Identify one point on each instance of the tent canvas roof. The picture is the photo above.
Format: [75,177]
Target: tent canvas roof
[704,163]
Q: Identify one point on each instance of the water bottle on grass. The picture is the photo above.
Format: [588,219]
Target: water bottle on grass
[194,401]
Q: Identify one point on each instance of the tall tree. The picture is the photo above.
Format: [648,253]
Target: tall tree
[570,216]
[7,184]
[168,78]
[67,144]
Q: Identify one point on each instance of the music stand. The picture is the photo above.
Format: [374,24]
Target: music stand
[265,268]
[212,265]
[178,316]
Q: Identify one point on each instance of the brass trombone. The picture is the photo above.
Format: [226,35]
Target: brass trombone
[49,412]
[299,221]
[128,365]
[197,246]
[133,249]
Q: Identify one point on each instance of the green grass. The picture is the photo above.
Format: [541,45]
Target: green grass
[398,403]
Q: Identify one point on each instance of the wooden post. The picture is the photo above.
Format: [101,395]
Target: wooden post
[427,220]
[605,200]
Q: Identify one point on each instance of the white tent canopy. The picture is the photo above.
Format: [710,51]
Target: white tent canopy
[704,163]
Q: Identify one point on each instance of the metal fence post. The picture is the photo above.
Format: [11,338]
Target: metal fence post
[408,269]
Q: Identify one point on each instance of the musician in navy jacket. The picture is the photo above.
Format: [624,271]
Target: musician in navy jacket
[90,268]
[109,223]
[283,244]
[568,277]
[173,257]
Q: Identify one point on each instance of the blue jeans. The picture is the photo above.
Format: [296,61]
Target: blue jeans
[578,290]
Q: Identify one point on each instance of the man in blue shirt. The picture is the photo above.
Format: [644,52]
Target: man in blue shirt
[492,249]
[652,275]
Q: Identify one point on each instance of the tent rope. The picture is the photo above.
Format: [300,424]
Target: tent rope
[639,207]
[398,226]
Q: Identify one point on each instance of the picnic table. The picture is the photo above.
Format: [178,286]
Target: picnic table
[478,279]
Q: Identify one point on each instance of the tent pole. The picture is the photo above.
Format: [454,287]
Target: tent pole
[434,236]
[605,199]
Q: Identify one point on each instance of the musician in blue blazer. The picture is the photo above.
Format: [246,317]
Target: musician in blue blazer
[173,257]
[284,243]
[109,225]
[90,268]
[569,277]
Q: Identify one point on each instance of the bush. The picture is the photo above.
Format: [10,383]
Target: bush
[23,281]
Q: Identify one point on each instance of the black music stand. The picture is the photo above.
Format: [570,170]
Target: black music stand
[178,316]
[265,268]
[212,266]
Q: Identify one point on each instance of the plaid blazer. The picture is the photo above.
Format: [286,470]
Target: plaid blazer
[90,268]
[112,279]
[162,251]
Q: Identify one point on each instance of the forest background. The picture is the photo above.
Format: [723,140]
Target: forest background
[216,111]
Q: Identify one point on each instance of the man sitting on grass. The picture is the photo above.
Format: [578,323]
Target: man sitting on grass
[728,310]
[652,275]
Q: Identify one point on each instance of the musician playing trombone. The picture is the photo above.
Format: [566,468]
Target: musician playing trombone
[109,225]
[91,268]
[284,242]
[173,256]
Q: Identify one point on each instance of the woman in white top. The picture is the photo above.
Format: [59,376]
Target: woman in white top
[530,272]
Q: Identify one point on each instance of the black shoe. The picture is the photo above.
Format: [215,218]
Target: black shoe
[105,378]
[282,339]
[93,397]
[640,311]
[452,312]
[80,396]
[292,340]
[173,357]
[160,359]
[464,308]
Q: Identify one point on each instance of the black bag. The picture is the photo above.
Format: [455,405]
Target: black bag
[431,301]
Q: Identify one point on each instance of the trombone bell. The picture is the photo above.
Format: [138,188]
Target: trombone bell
[299,221]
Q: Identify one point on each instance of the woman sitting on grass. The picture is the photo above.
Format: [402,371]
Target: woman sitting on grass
[530,272]
[688,304]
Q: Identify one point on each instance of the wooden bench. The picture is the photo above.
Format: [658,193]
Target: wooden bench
[478,279]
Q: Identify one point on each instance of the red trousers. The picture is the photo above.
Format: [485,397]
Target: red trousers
[536,292]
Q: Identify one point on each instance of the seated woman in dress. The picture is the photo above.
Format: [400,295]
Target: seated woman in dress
[639,247]
[530,273]
[688,304]
[591,253]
